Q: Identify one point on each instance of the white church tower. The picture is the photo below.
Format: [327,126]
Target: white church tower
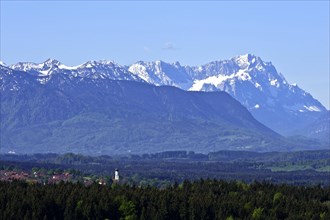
[116,179]
[117,174]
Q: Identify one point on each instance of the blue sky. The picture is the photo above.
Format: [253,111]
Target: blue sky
[294,35]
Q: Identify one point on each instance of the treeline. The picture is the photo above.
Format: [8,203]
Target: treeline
[203,199]
[224,156]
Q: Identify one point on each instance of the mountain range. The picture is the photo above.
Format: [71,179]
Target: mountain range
[256,84]
[101,107]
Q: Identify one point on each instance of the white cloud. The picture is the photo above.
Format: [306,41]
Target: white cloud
[169,46]
[146,49]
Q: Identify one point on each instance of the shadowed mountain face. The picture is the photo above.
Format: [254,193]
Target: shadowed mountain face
[104,116]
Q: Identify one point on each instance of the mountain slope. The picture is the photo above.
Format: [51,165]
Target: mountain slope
[319,129]
[104,116]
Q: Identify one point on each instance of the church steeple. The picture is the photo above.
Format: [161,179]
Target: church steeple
[115,179]
[117,174]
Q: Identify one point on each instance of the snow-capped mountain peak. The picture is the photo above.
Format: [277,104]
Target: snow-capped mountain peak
[95,64]
[2,63]
[244,61]
[249,79]
[41,69]
[50,62]
[162,73]
[92,69]
[250,61]
[89,64]
[109,62]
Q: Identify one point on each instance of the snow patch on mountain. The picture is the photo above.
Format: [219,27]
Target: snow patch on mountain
[303,108]
[274,83]
[62,66]
[258,86]
[212,80]
[218,80]
[161,73]
[312,108]
[141,71]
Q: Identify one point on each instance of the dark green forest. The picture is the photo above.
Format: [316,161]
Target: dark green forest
[202,199]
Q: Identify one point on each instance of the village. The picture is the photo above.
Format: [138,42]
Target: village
[55,177]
